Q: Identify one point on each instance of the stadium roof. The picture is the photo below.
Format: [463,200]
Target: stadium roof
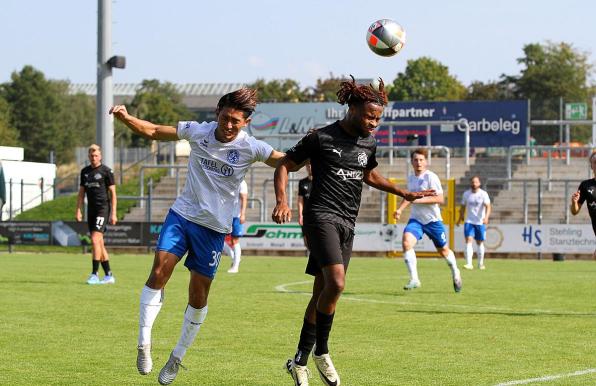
[187,89]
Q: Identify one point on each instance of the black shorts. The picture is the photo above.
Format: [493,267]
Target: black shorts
[97,219]
[329,243]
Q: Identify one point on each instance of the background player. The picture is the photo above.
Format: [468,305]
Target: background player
[476,203]
[97,182]
[200,217]
[304,188]
[342,156]
[425,218]
[237,228]
[586,192]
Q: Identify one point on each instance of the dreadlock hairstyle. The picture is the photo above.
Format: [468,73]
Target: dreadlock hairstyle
[351,93]
[244,99]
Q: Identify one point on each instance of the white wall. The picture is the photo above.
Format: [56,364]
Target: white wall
[30,173]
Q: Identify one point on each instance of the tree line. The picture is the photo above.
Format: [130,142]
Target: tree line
[40,114]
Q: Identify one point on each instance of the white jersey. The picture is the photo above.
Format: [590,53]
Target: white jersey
[475,205]
[425,213]
[215,171]
[242,190]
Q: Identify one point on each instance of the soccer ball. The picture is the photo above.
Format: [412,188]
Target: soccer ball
[385,37]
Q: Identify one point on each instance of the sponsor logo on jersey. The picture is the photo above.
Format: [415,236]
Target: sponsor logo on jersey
[362,159]
[336,151]
[349,174]
[233,156]
[97,176]
[213,167]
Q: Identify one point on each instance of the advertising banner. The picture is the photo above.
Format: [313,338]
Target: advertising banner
[25,233]
[492,123]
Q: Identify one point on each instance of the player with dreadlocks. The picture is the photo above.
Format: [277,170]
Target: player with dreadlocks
[342,156]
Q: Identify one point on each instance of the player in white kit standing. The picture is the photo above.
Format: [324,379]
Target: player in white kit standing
[425,219]
[200,217]
[476,203]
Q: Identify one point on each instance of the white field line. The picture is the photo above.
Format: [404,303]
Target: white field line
[548,378]
[284,289]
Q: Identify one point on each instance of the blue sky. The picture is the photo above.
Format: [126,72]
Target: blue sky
[187,41]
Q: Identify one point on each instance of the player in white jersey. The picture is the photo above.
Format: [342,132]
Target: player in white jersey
[200,217]
[425,218]
[232,248]
[476,203]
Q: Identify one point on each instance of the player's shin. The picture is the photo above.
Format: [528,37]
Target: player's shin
[308,336]
[150,304]
[481,255]
[193,318]
[412,264]
[323,328]
[468,252]
[452,263]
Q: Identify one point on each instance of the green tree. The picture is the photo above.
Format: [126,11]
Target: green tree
[37,110]
[490,91]
[426,79]
[80,120]
[285,90]
[9,135]
[552,71]
[155,102]
[326,89]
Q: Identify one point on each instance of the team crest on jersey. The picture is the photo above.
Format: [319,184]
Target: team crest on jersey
[233,156]
[362,159]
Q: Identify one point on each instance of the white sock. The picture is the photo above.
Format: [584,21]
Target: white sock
[468,252]
[237,254]
[150,304]
[193,318]
[410,260]
[228,251]
[481,254]
[451,262]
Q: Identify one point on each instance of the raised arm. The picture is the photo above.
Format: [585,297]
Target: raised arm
[144,128]
[282,212]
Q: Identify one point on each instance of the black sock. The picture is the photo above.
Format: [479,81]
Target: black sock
[95,264]
[106,267]
[324,323]
[308,336]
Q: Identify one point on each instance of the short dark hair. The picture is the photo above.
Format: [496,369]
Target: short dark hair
[244,99]
[420,151]
[471,178]
[351,93]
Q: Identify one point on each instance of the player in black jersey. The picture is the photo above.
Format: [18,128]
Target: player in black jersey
[97,182]
[342,156]
[304,188]
[586,193]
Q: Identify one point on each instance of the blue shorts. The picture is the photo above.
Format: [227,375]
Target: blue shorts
[204,245]
[237,230]
[434,230]
[476,231]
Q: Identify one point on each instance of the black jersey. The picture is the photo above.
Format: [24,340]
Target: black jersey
[96,182]
[338,161]
[587,194]
[304,187]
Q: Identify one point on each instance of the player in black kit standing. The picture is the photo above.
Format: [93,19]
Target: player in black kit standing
[97,181]
[587,193]
[342,156]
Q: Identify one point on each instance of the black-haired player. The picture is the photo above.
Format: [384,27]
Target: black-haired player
[342,156]
[586,193]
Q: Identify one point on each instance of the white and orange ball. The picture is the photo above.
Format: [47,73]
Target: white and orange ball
[385,37]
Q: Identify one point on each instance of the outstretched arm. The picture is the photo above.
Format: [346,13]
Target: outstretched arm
[282,212]
[274,158]
[144,128]
[377,181]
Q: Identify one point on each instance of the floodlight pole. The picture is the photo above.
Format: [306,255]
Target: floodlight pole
[105,97]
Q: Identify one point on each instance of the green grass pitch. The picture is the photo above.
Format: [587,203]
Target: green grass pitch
[517,320]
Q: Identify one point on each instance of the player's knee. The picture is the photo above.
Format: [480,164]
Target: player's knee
[407,244]
[336,285]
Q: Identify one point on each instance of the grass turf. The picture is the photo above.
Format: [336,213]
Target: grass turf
[514,321]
